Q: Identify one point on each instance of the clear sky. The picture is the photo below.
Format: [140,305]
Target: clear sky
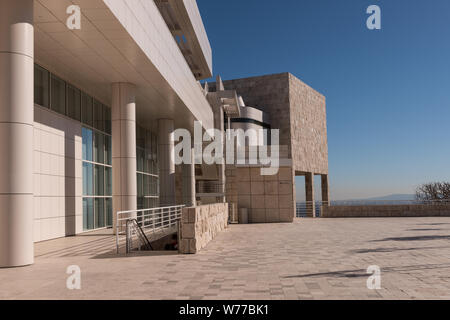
[388,91]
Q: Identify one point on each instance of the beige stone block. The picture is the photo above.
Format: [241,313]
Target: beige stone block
[257,202]
[194,246]
[243,174]
[285,174]
[257,188]
[244,187]
[272,215]
[273,177]
[184,246]
[188,231]
[287,215]
[271,202]
[192,214]
[255,174]
[271,187]
[244,201]
[285,188]
[285,202]
[258,215]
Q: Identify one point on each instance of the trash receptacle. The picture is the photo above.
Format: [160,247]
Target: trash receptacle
[243,216]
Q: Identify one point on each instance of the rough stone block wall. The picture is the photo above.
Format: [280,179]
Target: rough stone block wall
[269,93]
[297,110]
[308,128]
[267,198]
[435,210]
[200,225]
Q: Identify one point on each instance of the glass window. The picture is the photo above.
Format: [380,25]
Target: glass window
[108,181]
[147,182]
[98,116]
[88,213]
[41,86]
[109,211]
[87,179]
[107,119]
[58,95]
[99,180]
[87,144]
[99,148]
[99,213]
[140,191]
[73,103]
[108,150]
[86,109]
[140,159]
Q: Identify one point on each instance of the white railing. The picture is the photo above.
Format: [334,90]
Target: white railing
[151,222]
[309,208]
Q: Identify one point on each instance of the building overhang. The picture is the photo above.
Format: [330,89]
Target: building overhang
[230,103]
[184,21]
[121,41]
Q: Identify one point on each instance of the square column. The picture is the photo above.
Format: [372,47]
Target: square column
[310,199]
[123,119]
[189,192]
[166,162]
[325,190]
[16,132]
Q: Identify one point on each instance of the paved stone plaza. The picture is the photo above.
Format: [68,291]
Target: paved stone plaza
[309,259]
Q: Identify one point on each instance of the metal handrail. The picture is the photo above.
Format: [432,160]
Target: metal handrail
[150,221]
[140,235]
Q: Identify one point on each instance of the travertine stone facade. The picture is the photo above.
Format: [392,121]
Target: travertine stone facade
[297,110]
[200,225]
[308,128]
[267,198]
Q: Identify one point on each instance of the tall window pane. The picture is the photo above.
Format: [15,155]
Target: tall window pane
[73,103]
[41,86]
[140,191]
[108,150]
[58,90]
[98,116]
[99,148]
[87,179]
[109,212]
[99,180]
[140,159]
[88,213]
[86,109]
[87,144]
[108,181]
[99,213]
[107,119]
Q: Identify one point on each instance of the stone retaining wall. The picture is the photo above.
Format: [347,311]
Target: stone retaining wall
[200,225]
[414,210]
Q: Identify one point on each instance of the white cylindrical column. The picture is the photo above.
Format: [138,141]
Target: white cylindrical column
[166,162]
[123,120]
[16,132]
[189,196]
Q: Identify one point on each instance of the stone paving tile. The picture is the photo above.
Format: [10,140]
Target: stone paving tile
[309,259]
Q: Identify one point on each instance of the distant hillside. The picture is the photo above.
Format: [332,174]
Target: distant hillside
[393,197]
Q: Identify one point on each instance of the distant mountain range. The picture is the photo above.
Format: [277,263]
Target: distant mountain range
[393,197]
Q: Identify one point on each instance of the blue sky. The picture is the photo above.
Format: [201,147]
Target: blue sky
[388,91]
